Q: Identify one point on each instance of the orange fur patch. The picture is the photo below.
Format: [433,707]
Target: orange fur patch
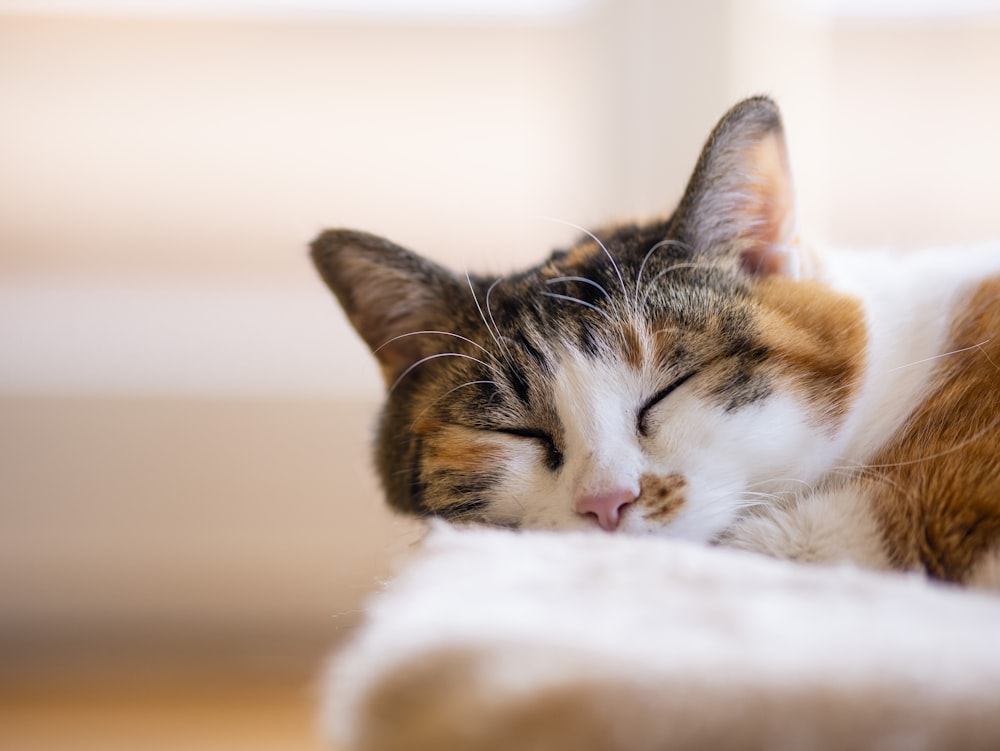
[818,337]
[452,448]
[936,486]
[632,349]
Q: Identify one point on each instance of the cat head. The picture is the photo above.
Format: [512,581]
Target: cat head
[657,377]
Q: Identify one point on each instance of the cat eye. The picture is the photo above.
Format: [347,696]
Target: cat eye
[553,456]
[659,396]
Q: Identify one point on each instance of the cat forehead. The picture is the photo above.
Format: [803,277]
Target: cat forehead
[622,311]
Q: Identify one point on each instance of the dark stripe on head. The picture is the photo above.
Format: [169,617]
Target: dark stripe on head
[588,343]
[531,351]
[520,383]
[744,387]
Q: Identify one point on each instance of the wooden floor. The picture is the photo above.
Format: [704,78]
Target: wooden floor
[176,713]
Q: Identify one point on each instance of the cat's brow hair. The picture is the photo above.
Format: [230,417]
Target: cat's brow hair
[477,345]
[437,356]
[501,338]
[602,246]
[479,307]
[583,279]
[570,298]
[650,286]
[445,395]
[645,259]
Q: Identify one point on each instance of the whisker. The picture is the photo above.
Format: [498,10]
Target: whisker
[675,267]
[869,469]
[434,357]
[807,487]
[582,279]
[987,354]
[426,409]
[944,354]
[442,333]
[748,504]
[581,302]
[480,309]
[642,266]
[766,496]
[597,240]
[502,339]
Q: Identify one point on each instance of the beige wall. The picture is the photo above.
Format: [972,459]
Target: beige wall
[185,413]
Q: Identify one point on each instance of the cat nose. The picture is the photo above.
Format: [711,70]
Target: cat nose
[606,507]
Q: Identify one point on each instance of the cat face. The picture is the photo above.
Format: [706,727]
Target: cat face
[654,378]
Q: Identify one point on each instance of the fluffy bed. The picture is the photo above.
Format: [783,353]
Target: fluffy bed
[519,641]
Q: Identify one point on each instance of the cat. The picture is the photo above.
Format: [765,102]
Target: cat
[708,376]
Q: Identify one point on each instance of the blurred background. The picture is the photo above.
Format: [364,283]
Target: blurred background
[188,520]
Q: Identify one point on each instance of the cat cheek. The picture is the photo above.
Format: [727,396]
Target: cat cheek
[523,487]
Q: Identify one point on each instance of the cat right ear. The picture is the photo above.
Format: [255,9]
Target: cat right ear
[740,202]
[388,293]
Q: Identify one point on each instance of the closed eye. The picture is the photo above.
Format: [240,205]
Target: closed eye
[642,418]
[553,456]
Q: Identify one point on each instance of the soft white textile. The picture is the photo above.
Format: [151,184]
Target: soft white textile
[490,639]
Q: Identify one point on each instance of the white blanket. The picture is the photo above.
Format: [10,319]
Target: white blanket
[519,641]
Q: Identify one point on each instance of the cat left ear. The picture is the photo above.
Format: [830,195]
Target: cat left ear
[389,294]
[739,201]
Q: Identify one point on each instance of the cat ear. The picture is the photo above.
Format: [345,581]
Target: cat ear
[387,292]
[739,200]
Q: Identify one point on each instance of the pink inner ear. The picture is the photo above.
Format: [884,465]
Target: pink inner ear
[768,260]
[768,211]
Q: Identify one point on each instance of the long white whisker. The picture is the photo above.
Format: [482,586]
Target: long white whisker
[597,240]
[434,357]
[675,267]
[768,496]
[480,309]
[943,354]
[750,504]
[478,346]
[986,354]
[642,266]
[869,468]
[447,393]
[582,279]
[795,480]
[489,310]
[581,302]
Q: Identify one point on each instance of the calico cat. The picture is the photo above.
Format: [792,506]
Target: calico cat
[707,376]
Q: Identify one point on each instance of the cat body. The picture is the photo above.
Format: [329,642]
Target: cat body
[707,376]
[914,484]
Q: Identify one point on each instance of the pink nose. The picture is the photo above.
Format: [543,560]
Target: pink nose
[605,507]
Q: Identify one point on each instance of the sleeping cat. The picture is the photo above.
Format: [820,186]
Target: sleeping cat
[708,376]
